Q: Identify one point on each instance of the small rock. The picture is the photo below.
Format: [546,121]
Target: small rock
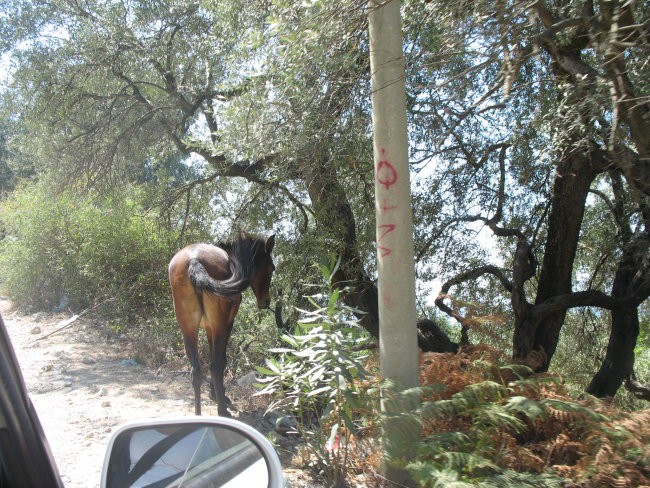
[128,362]
[102,392]
[281,422]
[108,429]
[88,360]
[106,403]
[40,388]
[67,383]
[47,367]
[248,379]
[35,330]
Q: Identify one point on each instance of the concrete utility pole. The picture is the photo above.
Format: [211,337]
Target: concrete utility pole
[396,268]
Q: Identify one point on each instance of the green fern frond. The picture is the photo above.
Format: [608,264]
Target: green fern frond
[479,393]
[466,462]
[521,371]
[441,408]
[495,416]
[531,409]
[427,475]
[444,441]
[523,480]
[465,401]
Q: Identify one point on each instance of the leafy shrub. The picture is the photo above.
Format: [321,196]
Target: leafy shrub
[254,332]
[69,249]
[317,378]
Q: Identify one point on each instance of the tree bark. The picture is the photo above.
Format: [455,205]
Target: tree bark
[639,390]
[619,358]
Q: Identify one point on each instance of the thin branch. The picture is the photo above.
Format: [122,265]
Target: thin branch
[67,323]
[468,276]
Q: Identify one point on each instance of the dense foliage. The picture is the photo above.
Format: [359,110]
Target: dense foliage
[483,421]
[130,129]
[69,250]
[494,425]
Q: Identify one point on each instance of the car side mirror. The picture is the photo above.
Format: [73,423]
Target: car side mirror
[191,452]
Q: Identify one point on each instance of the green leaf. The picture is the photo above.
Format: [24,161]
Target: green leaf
[334,298]
[318,391]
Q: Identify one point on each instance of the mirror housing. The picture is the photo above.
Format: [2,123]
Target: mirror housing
[192,452]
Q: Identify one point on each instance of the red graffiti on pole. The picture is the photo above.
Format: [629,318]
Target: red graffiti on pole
[384,207]
[384,251]
[388,228]
[386,176]
[386,172]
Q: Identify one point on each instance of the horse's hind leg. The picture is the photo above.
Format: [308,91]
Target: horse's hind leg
[213,392]
[218,362]
[188,310]
[192,350]
[220,316]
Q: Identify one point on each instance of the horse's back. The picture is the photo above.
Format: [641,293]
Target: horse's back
[213,258]
[188,306]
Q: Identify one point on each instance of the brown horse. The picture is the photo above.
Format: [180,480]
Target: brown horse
[207,284]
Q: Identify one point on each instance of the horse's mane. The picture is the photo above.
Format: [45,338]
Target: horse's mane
[239,246]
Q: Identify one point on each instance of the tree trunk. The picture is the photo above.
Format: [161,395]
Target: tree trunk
[619,358]
[570,189]
[335,218]
[431,338]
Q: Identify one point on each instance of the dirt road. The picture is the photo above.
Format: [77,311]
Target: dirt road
[83,387]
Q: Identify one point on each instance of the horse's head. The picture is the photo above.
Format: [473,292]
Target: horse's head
[263,268]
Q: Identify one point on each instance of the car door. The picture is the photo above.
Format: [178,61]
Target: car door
[25,456]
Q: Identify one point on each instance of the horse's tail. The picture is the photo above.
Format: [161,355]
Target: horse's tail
[240,259]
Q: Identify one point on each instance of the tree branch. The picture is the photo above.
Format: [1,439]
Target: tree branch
[590,298]
[639,390]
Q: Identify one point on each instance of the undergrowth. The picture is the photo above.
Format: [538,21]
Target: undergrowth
[486,423]
[496,424]
[483,422]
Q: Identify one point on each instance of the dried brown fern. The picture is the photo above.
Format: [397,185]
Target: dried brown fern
[574,443]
